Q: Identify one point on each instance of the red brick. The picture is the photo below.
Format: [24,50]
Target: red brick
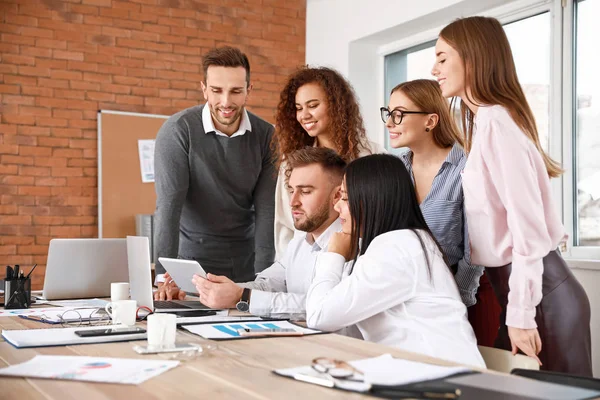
[8,210]
[68,153]
[114,13]
[19,160]
[53,83]
[20,80]
[81,85]
[34,130]
[128,24]
[82,66]
[100,3]
[111,88]
[34,171]
[6,149]
[50,162]
[17,59]
[69,171]
[82,144]
[93,77]
[28,210]
[28,250]
[37,91]
[16,39]
[9,169]
[69,75]
[51,43]
[50,121]
[20,140]
[17,240]
[17,180]
[68,55]
[130,62]
[141,91]
[38,52]
[100,96]
[48,220]
[82,9]
[82,182]
[156,28]
[67,114]
[157,101]
[7,250]
[66,132]
[66,231]
[34,71]
[86,48]
[44,183]
[127,80]
[74,162]
[83,124]
[35,151]
[69,94]
[15,220]
[52,102]
[37,111]
[37,32]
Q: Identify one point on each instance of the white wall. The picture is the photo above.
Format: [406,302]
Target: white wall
[354,35]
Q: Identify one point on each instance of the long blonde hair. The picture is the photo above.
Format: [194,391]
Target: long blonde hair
[491,77]
[427,96]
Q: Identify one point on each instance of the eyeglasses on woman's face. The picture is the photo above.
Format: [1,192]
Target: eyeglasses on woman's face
[396,115]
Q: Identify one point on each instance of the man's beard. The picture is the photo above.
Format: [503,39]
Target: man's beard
[311,223]
[229,121]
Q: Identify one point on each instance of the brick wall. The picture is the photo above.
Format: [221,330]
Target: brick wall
[61,61]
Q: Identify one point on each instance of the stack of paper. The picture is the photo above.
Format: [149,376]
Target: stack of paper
[227,331]
[62,337]
[91,369]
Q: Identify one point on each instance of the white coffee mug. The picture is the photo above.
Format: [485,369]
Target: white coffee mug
[161,330]
[122,311]
[119,291]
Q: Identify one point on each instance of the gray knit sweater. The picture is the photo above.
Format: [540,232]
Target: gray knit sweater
[213,191]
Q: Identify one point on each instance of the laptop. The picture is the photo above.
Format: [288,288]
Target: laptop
[84,268]
[140,280]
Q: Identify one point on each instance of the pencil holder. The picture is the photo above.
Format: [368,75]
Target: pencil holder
[17,293]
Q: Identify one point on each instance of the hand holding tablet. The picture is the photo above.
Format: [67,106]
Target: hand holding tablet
[182,272]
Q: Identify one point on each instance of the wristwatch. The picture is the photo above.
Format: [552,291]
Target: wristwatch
[244,303]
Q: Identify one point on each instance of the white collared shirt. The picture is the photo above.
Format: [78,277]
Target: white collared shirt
[393,300]
[209,125]
[280,290]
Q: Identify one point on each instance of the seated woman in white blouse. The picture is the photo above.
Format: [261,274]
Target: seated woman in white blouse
[401,292]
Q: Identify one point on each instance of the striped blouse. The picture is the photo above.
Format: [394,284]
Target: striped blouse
[444,212]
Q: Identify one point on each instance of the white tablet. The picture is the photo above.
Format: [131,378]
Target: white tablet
[182,272]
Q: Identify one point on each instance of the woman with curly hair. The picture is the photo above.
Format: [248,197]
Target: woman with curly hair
[317,107]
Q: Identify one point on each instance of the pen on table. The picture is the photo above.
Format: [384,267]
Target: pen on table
[27,277]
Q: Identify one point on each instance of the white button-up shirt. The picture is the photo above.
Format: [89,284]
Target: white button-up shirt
[394,300]
[280,290]
[209,125]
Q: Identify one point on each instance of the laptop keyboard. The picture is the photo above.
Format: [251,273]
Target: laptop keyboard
[168,304]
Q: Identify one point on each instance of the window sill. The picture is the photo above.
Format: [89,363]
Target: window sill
[593,265]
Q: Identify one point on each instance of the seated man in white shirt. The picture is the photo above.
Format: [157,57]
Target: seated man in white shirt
[315,175]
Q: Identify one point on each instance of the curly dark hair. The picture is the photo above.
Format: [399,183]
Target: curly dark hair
[347,126]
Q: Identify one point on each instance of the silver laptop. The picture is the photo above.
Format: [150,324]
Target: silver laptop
[84,268]
[140,280]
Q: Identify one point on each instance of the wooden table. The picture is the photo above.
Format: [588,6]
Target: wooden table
[235,370]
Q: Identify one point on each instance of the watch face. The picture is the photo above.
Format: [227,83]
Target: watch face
[242,306]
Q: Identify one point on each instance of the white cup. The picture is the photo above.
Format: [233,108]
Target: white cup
[123,311]
[161,330]
[119,291]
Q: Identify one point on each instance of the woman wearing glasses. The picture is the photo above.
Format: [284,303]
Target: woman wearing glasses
[418,117]
[317,108]
[400,292]
[513,223]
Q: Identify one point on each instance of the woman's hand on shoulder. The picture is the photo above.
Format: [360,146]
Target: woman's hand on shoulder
[341,243]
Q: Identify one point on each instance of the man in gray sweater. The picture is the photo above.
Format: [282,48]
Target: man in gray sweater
[215,179]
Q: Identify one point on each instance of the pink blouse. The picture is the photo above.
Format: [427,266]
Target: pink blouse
[510,213]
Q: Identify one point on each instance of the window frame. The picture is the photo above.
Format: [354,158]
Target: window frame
[561,142]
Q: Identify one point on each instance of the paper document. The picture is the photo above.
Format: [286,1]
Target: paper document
[215,318]
[83,303]
[91,369]
[382,370]
[146,150]
[24,311]
[229,330]
[21,338]
[68,314]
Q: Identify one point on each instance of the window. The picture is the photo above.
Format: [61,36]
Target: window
[586,115]
[532,59]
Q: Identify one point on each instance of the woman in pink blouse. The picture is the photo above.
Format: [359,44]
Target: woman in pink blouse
[513,223]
